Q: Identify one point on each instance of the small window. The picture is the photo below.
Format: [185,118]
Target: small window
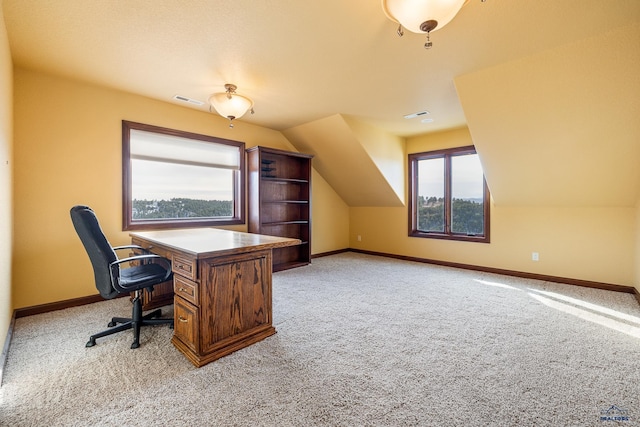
[174,179]
[448,195]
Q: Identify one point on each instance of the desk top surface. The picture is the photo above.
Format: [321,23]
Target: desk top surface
[204,242]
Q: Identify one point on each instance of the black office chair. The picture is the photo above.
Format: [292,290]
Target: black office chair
[112,280]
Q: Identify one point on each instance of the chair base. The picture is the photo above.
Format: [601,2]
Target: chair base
[136,321]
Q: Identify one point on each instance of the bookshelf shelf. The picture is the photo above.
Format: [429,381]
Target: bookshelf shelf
[280,201]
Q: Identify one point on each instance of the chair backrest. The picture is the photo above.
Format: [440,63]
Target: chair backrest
[100,252]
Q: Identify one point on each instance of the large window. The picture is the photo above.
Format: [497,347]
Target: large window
[177,179]
[448,195]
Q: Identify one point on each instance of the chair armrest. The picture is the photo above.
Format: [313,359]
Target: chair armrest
[143,258]
[116,248]
[139,258]
[114,267]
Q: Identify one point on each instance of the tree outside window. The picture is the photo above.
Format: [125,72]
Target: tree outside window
[448,195]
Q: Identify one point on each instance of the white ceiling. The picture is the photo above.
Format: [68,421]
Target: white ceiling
[299,60]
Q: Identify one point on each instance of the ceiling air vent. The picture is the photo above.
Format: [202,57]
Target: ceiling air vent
[418,114]
[188,100]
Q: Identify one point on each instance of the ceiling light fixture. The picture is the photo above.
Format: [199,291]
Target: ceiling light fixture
[229,104]
[422,16]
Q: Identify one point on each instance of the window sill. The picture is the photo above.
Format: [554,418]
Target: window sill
[443,236]
[166,224]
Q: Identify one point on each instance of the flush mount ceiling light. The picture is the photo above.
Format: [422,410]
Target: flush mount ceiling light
[422,16]
[229,104]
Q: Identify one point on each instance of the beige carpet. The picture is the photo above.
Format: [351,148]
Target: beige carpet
[362,341]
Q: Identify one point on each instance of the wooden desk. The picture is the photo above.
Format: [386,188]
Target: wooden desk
[222,285]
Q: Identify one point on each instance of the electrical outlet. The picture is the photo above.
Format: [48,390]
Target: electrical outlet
[359,238]
[535,256]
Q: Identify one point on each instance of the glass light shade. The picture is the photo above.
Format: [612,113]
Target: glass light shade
[412,13]
[230,105]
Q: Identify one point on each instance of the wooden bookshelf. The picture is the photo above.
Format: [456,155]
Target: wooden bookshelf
[280,201]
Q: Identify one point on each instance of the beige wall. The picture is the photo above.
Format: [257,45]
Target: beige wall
[6,165]
[68,152]
[637,248]
[386,150]
[330,218]
[560,127]
[588,243]
[563,168]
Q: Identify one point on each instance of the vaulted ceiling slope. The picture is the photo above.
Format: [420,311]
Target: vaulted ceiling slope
[548,88]
[561,127]
[300,61]
[364,165]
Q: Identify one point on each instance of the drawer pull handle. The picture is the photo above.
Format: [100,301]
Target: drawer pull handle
[182,319]
[182,289]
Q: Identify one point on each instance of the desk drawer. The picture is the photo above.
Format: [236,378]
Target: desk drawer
[186,319]
[185,267]
[186,289]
